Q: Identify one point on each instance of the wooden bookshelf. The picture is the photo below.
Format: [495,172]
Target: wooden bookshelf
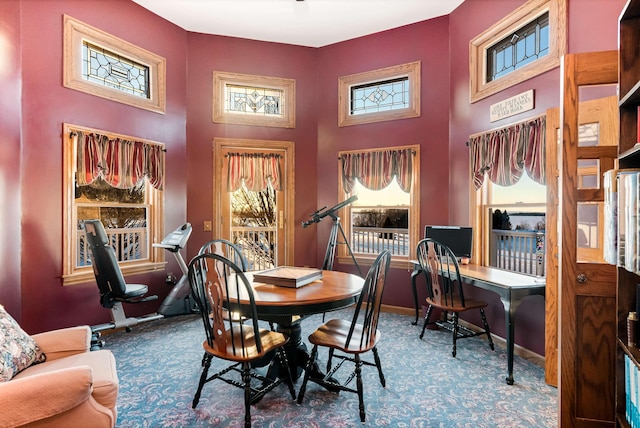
[628,157]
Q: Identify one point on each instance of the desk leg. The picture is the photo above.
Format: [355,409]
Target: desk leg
[510,318]
[414,275]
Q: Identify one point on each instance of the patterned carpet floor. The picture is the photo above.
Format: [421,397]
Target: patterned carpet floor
[159,364]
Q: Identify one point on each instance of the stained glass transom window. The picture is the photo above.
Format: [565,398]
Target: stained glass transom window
[519,48]
[115,71]
[378,96]
[254,101]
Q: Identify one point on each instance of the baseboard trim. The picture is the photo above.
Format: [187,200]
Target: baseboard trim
[518,350]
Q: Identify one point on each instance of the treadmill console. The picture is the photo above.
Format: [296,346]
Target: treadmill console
[177,239]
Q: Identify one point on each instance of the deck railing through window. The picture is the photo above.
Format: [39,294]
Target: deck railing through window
[372,240]
[518,251]
[258,245]
[129,243]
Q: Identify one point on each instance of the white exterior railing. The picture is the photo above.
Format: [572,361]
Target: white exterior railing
[372,240]
[129,243]
[518,251]
[258,245]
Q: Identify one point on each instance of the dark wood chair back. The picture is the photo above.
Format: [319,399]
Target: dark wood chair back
[442,273]
[445,291]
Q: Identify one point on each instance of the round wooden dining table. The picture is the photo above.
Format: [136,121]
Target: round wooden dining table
[288,306]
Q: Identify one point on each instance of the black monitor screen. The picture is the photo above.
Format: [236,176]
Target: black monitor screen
[459,239]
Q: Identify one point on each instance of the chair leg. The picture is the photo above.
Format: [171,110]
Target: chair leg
[455,333]
[329,360]
[206,363]
[307,373]
[246,380]
[486,328]
[360,387]
[284,362]
[376,357]
[426,320]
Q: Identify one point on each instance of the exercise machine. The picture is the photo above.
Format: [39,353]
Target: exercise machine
[178,301]
[336,228]
[114,291]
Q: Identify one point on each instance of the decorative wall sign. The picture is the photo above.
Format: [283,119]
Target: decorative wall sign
[511,106]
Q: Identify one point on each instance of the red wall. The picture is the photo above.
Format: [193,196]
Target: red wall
[34,104]
[46,105]
[593,26]
[423,42]
[10,86]
[207,53]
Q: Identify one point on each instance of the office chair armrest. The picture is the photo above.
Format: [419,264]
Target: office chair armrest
[64,342]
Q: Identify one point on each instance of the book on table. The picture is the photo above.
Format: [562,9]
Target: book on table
[288,276]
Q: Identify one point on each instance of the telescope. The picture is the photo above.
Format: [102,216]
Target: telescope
[321,213]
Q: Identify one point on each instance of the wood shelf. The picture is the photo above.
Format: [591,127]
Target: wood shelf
[628,157]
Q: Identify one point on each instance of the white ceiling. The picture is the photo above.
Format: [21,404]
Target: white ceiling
[313,23]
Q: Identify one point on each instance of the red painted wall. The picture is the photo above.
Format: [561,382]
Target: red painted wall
[593,26]
[10,117]
[34,104]
[207,53]
[422,42]
[46,105]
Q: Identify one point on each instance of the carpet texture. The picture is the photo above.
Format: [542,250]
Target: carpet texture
[159,367]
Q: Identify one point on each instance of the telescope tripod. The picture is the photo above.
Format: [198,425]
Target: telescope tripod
[330,253]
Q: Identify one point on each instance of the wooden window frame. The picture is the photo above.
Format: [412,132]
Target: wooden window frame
[76,32]
[479,87]
[288,86]
[155,199]
[400,262]
[411,70]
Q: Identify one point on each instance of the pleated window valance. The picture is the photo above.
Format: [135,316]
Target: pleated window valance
[254,170]
[376,169]
[119,162]
[504,153]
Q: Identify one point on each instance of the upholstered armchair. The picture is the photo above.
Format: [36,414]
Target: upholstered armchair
[73,387]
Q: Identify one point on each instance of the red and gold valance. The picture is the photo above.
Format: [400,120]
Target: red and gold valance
[376,169]
[503,154]
[120,163]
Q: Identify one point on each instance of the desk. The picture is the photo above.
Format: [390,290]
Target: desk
[287,307]
[511,287]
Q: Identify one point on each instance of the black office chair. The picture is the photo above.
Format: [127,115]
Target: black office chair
[445,291]
[219,284]
[114,291]
[352,338]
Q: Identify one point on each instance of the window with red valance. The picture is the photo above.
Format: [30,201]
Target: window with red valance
[504,154]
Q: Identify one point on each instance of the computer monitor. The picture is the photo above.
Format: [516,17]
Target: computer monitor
[458,238]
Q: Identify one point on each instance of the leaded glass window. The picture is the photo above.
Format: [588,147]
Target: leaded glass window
[519,48]
[110,69]
[254,100]
[379,96]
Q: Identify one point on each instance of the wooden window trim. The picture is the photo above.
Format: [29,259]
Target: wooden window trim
[76,32]
[73,275]
[400,262]
[479,87]
[411,69]
[288,86]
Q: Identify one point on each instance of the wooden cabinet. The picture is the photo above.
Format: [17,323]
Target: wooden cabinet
[628,157]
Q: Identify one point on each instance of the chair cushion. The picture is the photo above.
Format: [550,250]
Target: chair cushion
[103,367]
[17,349]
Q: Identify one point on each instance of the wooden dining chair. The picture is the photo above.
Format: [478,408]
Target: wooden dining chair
[445,291]
[352,338]
[228,250]
[220,285]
